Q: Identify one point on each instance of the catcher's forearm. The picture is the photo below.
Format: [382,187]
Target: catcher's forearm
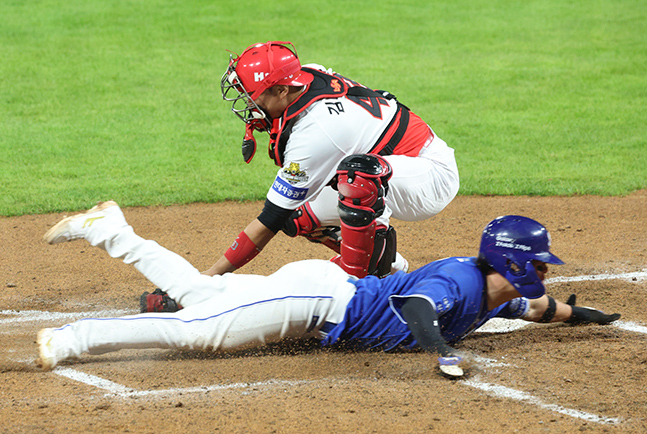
[245,247]
[221,267]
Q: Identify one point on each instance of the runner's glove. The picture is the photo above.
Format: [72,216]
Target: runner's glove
[586,315]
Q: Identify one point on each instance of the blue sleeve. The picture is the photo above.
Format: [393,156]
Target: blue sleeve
[274,217]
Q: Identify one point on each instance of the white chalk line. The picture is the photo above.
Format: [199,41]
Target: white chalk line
[92,380]
[517,395]
[635,276]
[487,362]
[16,316]
[499,325]
[262,384]
[116,389]
[630,326]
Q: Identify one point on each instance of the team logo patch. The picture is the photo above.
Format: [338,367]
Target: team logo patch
[293,173]
[287,190]
[443,305]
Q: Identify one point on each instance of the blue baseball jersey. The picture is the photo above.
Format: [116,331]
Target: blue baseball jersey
[454,286]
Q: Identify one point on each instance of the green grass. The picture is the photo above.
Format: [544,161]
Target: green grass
[121,99]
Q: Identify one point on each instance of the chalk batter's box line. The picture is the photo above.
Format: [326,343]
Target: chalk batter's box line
[633,277]
[118,390]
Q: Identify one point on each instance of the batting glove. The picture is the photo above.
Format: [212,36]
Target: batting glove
[587,315]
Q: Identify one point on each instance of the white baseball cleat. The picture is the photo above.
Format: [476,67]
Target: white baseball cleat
[452,370]
[47,359]
[76,226]
[450,366]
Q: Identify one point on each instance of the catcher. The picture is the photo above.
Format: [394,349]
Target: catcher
[430,308]
[330,133]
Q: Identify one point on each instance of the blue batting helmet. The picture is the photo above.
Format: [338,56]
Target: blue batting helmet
[509,244]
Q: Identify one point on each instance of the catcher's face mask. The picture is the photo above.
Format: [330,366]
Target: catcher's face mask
[260,67]
[242,105]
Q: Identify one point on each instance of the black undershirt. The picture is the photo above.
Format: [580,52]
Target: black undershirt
[274,217]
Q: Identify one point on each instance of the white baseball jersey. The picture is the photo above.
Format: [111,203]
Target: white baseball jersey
[326,129]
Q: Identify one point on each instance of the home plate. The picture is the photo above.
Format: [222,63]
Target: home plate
[502,325]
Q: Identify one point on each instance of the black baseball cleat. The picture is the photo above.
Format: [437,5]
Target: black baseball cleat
[157,301]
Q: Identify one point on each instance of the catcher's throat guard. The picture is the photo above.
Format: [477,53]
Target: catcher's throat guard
[249,141]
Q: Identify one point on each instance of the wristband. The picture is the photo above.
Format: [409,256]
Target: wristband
[241,251]
[549,314]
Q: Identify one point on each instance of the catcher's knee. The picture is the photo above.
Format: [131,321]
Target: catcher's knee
[362,181]
[302,221]
[355,216]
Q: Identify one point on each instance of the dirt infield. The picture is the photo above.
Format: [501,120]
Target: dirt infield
[536,379]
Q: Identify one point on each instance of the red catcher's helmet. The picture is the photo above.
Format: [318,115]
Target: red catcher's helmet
[260,67]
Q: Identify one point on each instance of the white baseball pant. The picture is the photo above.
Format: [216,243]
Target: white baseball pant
[220,312]
[419,189]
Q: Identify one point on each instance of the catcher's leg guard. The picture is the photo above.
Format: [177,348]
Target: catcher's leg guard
[362,183]
[305,223]
[382,255]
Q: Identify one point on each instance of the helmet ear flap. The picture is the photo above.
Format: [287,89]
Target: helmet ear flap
[526,282]
[513,267]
